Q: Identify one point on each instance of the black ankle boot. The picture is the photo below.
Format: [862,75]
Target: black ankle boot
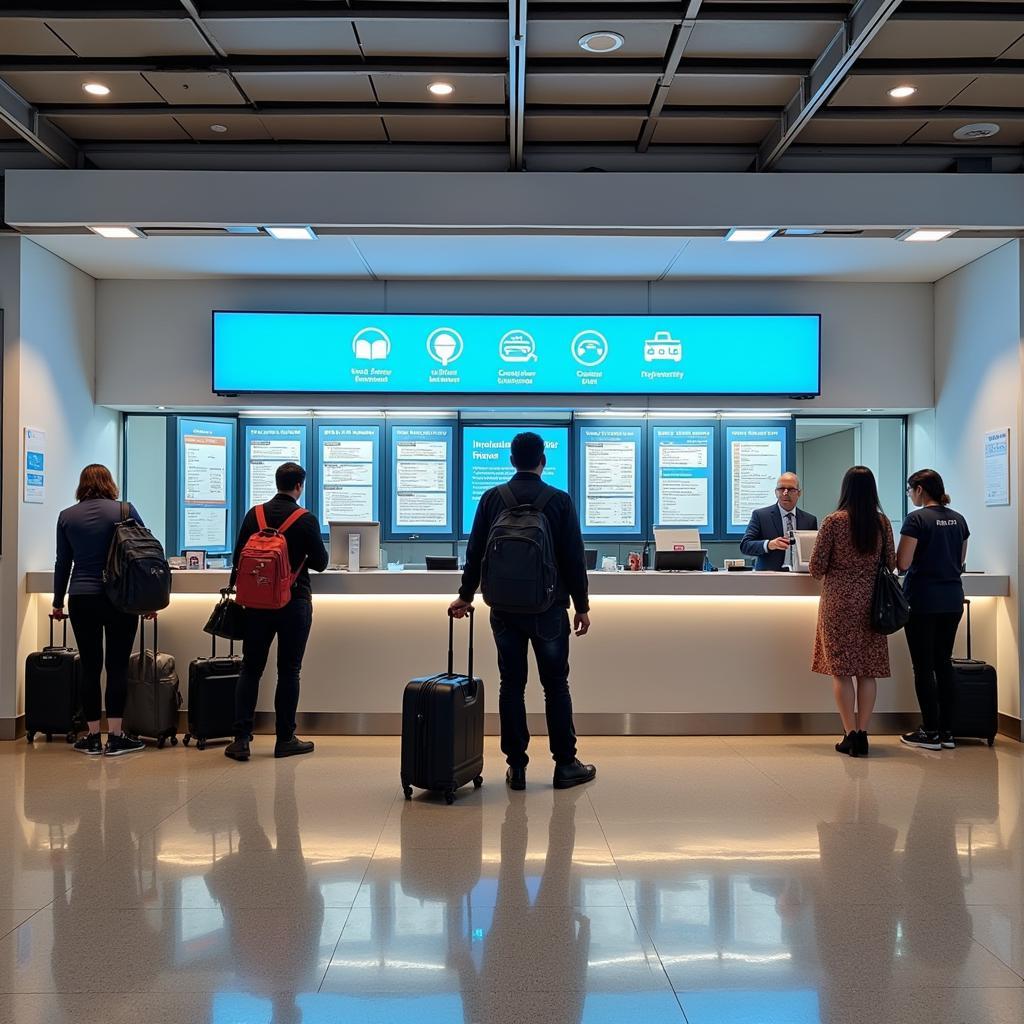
[845,745]
[861,747]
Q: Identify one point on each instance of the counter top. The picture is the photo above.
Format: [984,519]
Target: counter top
[640,584]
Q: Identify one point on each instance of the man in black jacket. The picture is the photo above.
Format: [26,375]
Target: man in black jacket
[548,632]
[290,624]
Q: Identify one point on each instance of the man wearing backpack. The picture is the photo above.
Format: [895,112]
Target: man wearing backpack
[527,550]
[273,586]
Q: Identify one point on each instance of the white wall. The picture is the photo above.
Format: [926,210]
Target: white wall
[153,337]
[978,387]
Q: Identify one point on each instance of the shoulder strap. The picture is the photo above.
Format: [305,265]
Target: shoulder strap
[508,496]
[546,494]
[126,512]
[296,515]
[261,517]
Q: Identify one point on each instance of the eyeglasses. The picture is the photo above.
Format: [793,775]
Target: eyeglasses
[787,490]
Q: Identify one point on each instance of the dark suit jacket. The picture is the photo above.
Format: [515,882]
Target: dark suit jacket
[766,524]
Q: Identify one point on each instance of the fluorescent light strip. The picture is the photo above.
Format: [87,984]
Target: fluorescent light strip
[293,233]
[927,234]
[115,231]
[750,234]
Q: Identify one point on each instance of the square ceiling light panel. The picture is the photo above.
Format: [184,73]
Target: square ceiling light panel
[131,37]
[195,87]
[306,87]
[29,37]
[284,36]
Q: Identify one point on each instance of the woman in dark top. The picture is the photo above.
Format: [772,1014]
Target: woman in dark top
[933,550]
[84,533]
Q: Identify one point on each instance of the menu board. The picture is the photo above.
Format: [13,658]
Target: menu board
[683,459]
[755,459]
[206,455]
[421,464]
[349,464]
[485,461]
[266,447]
[609,479]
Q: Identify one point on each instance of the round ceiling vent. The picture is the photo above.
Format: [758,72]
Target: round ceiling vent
[601,42]
[981,130]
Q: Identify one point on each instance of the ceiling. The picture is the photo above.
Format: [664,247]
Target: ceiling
[489,256]
[695,85]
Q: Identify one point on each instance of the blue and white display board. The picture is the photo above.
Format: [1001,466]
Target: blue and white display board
[421,467]
[756,455]
[34,470]
[348,464]
[485,461]
[206,484]
[346,353]
[683,471]
[266,446]
[609,472]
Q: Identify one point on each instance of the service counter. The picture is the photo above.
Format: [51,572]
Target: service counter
[668,653]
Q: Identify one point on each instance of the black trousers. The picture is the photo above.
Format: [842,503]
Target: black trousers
[95,620]
[548,634]
[290,625]
[930,637]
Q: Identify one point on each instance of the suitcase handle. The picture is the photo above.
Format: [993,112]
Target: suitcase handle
[156,647]
[64,623]
[967,605]
[451,645]
[213,645]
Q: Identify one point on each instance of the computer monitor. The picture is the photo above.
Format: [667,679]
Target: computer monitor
[441,562]
[805,540]
[690,560]
[369,544]
[676,540]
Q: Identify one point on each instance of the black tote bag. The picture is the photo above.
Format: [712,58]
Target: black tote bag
[890,609]
[227,620]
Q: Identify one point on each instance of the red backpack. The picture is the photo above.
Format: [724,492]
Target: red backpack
[265,577]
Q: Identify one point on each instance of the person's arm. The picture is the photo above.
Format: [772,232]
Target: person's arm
[753,543]
[821,556]
[573,561]
[134,513]
[963,556]
[317,557]
[247,529]
[905,552]
[890,545]
[61,567]
[474,554]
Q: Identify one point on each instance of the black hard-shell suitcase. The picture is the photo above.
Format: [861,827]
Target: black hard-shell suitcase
[211,696]
[976,697]
[154,696]
[443,728]
[53,700]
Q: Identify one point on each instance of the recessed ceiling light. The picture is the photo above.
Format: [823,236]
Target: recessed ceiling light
[927,234]
[115,231]
[901,92]
[980,130]
[441,88]
[601,42]
[218,128]
[292,234]
[96,89]
[750,234]
[161,408]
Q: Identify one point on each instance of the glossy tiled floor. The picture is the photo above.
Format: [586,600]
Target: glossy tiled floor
[708,881]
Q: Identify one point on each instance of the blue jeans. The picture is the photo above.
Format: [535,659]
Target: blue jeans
[548,633]
[291,625]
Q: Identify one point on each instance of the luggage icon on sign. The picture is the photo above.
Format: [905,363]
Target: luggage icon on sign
[663,348]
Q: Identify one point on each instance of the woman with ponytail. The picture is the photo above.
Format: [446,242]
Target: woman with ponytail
[932,551]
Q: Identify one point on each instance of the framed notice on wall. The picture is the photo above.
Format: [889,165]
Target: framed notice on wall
[997,466]
[35,466]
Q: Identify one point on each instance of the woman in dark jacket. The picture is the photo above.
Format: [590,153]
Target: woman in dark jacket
[84,533]
[933,550]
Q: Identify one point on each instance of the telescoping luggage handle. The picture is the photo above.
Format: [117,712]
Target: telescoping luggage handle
[451,645]
[142,648]
[967,605]
[64,624]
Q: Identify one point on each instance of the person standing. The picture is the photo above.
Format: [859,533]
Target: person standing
[932,552]
[104,634]
[768,533]
[290,624]
[851,543]
[548,631]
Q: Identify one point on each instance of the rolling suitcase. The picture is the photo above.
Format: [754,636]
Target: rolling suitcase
[211,696]
[976,700]
[154,697]
[443,728]
[53,701]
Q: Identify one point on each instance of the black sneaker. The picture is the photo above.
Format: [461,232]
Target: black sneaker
[947,741]
[118,743]
[292,747]
[90,744]
[922,739]
[574,774]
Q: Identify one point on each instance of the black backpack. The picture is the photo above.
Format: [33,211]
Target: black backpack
[519,569]
[137,578]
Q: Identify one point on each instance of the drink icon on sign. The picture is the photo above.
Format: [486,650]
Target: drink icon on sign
[589,348]
[517,347]
[663,348]
[444,345]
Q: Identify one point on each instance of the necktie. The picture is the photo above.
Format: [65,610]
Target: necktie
[790,553]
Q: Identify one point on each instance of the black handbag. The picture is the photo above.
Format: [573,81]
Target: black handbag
[890,609]
[227,620]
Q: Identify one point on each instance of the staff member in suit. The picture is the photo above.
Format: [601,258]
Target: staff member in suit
[767,536]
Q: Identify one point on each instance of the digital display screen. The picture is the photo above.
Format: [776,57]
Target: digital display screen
[348,353]
[609,475]
[422,461]
[756,457]
[485,461]
[266,447]
[683,460]
[349,464]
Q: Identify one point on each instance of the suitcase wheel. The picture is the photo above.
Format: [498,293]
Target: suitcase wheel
[30,737]
[70,738]
[407,790]
[200,744]
[160,742]
[187,738]
[174,741]
[478,782]
[449,796]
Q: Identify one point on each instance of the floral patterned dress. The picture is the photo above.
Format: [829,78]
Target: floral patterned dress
[845,643]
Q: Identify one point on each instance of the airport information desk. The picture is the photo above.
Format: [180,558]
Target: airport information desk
[668,653]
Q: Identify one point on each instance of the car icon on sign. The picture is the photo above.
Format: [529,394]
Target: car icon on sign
[517,347]
[663,348]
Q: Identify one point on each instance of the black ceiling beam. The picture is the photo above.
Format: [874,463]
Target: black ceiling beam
[680,39]
[34,128]
[865,21]
[194,16]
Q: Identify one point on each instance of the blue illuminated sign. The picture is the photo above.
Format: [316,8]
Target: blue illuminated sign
[345,353]
[422,460]
[683,460]
[267,446]
[485,461]
[609,472]
[756,455]
[348,460]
